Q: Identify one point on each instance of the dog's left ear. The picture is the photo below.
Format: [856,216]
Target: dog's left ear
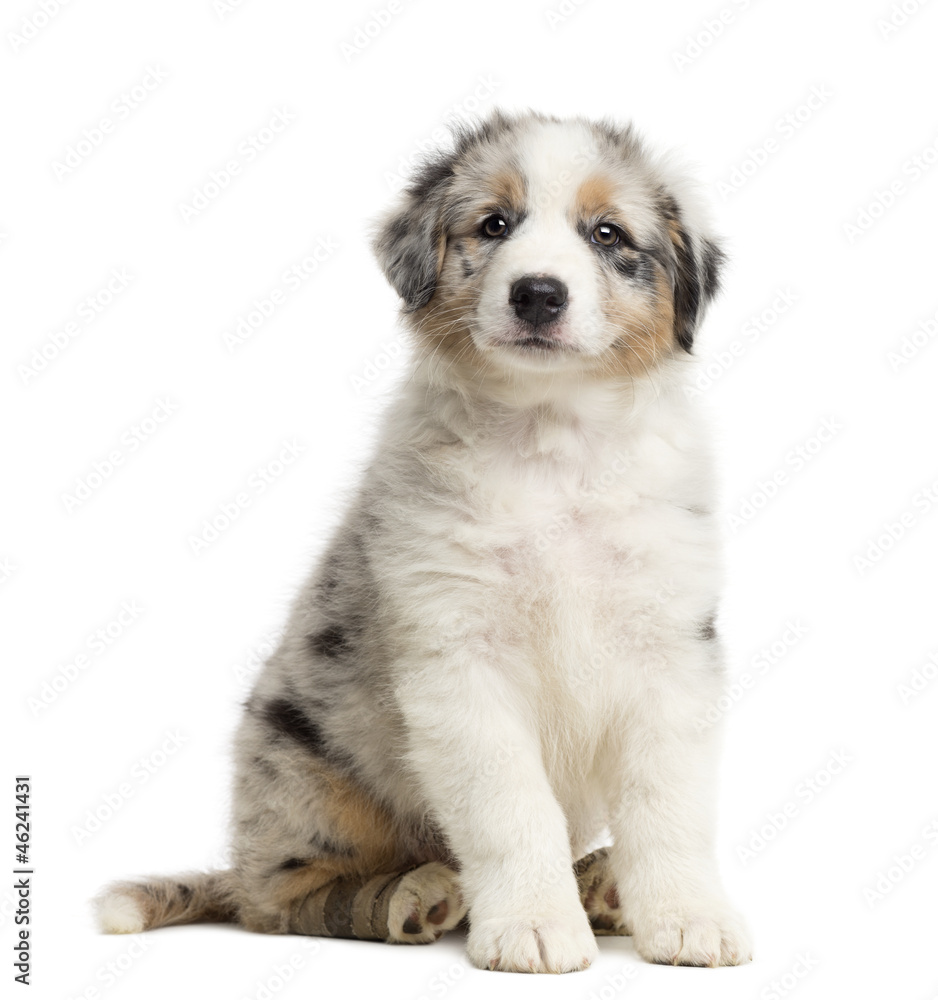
[697,263]
[411,240]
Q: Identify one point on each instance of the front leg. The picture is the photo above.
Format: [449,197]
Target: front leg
[480,770]
[663,854]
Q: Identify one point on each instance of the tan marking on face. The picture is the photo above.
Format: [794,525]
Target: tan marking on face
[595,198]
[441,327]
[507,188]
[674,231]
[647,333]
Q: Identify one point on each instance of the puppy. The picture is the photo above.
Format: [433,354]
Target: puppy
[503,654]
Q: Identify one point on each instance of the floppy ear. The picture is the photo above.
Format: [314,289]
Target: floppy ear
[411,240]
[696,266]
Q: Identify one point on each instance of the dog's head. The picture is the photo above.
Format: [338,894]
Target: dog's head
[541,244]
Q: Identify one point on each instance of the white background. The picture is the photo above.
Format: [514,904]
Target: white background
[840,283]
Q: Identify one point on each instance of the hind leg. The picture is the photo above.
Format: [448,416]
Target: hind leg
[355,883]
[599,893]
[316,854]
[413,907]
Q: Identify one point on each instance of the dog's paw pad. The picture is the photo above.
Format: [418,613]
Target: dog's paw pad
[425,905]
[599,894]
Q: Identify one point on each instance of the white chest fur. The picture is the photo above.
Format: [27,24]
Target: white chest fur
[585,530]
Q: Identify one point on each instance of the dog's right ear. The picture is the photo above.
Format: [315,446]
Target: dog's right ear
[411,240]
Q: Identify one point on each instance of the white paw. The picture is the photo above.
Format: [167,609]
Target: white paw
[693,935]
[427,903]
[532,944]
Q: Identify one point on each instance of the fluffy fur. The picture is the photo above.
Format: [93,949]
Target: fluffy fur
[504,649]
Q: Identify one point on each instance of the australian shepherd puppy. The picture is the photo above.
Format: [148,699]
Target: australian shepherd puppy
[503,655]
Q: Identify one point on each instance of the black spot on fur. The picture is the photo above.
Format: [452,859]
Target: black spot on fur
[409,245]
[291,864]
[398,227]
[706,630]
[323,845]
[265,767]
[625,265]
[331,574]
[249,827]
[433,173]
[637,266]
[332,642]
[686,292]
[628,258]
[617,139]
[185,892]
[696,281]
[288,720]
[667,206]
[494,127]
[646,271]
[713,260]
[460,250]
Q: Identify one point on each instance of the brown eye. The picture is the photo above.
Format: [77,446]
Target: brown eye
[494,226]
[605,235]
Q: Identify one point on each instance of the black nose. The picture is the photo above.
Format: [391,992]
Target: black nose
[538,300]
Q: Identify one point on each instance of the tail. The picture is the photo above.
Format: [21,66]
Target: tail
[131,907]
